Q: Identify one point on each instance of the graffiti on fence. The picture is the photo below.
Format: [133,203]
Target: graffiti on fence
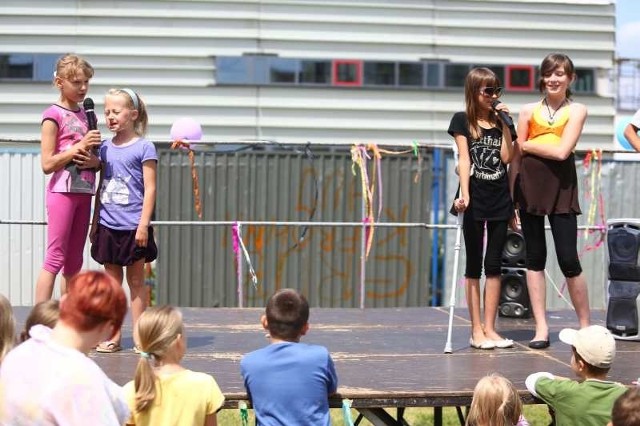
[336,251]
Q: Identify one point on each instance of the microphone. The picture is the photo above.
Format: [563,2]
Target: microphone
[91,114]
[92,122]
[505,118]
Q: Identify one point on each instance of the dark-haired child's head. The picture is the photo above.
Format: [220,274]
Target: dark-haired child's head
[626,409]
[287,315]
[550,63]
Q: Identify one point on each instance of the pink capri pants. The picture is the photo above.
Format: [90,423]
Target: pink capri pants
[68,216]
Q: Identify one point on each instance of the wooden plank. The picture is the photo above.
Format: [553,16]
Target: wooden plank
[384,357]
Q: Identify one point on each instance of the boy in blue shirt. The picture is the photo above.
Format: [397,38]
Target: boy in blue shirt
[587,402]
[289,382]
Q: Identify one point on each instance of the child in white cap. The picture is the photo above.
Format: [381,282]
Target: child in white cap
[589,400]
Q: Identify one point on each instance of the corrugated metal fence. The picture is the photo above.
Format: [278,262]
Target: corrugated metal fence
[197,264]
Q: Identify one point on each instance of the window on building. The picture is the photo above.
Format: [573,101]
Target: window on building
[455,74]
[434,74]
[520,78]
[315,72]
[249,69]
[232,70]
[347,72]
[585,80]
[27,66]
[254,69]
[283,70]
[380,73]
[498,70]
[410,74]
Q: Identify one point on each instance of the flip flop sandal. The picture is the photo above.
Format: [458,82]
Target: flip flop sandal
[108,347]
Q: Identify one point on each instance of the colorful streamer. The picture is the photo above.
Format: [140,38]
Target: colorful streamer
[595,215]
[359,158]
[596,220]
[241,250]
[244,413]
[369,186]
[194,174]
[346,412]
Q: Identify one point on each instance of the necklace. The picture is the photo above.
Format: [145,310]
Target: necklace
[552,118]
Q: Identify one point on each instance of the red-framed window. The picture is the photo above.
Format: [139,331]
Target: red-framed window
[520,78]
[346,72]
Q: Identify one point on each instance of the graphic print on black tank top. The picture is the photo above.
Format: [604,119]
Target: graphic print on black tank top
[488,185]
[485,156]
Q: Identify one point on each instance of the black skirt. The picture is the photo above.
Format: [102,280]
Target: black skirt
[119,247]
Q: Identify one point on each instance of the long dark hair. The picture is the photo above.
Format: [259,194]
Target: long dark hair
[475,80]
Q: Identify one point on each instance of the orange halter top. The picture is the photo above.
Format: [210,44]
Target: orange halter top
[540,131]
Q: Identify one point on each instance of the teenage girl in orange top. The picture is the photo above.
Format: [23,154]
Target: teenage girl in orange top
[545,183]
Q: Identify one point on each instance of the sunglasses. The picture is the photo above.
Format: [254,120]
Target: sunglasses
[491,91]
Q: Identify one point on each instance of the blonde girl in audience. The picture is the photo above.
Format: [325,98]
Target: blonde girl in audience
[495,403]
[163,392]
[45,313]
[7,327]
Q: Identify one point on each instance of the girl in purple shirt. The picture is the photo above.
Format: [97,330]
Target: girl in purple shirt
[121,235]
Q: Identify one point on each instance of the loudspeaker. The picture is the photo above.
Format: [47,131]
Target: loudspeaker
[623,309]
[623,243]
[513,253]
[514,296]
[623,286]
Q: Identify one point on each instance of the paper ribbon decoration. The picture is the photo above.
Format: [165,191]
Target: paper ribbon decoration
[359,157]
[240,250]
[346,412]
[178,144]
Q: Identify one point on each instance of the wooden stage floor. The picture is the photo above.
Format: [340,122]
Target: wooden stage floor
[384,357]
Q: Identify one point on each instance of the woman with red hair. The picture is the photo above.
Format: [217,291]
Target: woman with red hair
[49,380]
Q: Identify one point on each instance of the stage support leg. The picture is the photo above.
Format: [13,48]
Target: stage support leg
[437,416]
[379,417]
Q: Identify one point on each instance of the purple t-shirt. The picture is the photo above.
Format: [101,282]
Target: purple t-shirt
[72,126]
[122,190]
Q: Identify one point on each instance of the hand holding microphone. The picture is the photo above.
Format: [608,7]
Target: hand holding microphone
[505,118]
[89,144]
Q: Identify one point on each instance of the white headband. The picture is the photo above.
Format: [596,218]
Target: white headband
[133,96]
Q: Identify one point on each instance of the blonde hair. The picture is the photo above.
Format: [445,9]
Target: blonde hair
[495,403]
[140,125]
[7,327]
[70,65]
[45,313]
[475,80]
[155,334]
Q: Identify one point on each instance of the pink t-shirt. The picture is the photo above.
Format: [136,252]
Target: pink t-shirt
[72,126]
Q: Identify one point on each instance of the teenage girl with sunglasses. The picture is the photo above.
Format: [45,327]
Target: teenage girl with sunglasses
[485,148]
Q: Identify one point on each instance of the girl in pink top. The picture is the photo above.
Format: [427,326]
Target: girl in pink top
[67,152]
